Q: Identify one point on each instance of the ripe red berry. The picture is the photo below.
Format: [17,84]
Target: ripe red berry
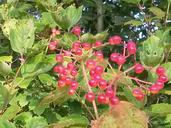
[163,78]
[59,69]
[52,45]
[102,99]
[131,47]
[61,83]
[74,72]
[120,60]
[110,93]
[62,77]
[114,100]
[154,89]
[90,64]
[76,30]
[114,57]
[92,72]
[138,68]
[78,52]
[67,53]
[59,58]
[159,84]
[99,69]
[74,85]
[102,84]
[97,77]
[97,44]
[68,81]
[71,91]
[138,94]
[90,97]
[86,46]
[99,55]
[54,30]
[70,66]
[76,45]
[93,82]
[114,40]
[160,71]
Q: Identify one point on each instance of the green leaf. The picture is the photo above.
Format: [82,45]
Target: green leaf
[46,79]
[22,82]
[8,25]
[22,36]
[11,112]
[67,18]
[152,53]
[166,38]
[134,1]
[161,109]
[157,12]
[133,23]
[37,122]
[6,124]
[22,98]
[67,39]
[92,38]
[72,121]
[23,117]
[6,59]
[4,97]
[168,120]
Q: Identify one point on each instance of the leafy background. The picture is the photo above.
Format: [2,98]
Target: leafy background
[28,95]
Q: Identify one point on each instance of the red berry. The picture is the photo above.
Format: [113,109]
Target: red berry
[62,77]
[131,47]
[65,71]
[97,77]
[54,30]
[61,83]
[74,72]
[76,30]
[86,46]
[163,78]
[70,66]
[114,100]
[154,89]
[71,91]
[102,99]
[90,64]
[93,82]
[98,69]
[114,40]
[78,52]
[102,84]
[159,84]
[138,68]
[68,80]
[59,69]
[90,97]
[138,94]
[59,58]
[76,45]
[74,85]
[97,44]
[120,60]
[114,57]
[160,71]
[110,93]
[52,45]
[92,72]
[99,55]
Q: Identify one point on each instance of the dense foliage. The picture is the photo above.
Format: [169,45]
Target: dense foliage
[89,63]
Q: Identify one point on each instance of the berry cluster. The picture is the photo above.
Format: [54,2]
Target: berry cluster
[87,61]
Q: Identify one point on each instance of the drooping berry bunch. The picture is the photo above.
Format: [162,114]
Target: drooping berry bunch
[87,61]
